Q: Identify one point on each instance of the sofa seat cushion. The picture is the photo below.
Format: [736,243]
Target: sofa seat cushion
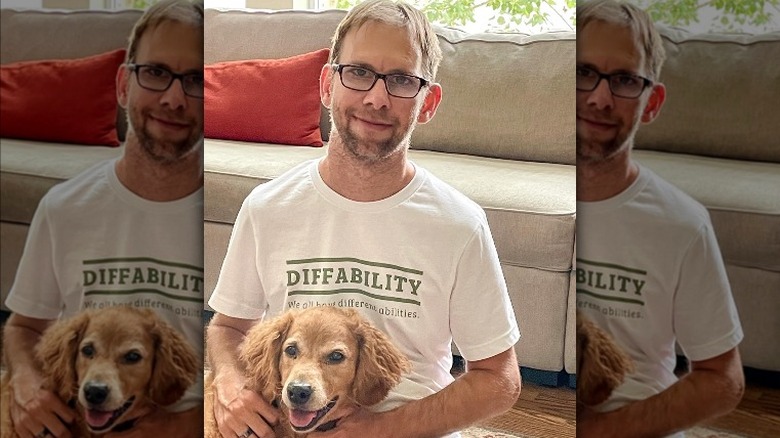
[530,206]
[741,197]
[28,169]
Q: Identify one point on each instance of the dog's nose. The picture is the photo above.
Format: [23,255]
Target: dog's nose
[96,393]
[299,393]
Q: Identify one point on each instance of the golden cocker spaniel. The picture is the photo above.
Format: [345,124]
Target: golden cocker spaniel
[318,365]
[115,365]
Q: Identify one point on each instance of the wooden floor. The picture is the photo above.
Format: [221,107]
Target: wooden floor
[550,412]
[540,412]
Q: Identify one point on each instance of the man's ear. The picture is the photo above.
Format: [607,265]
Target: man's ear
[122,82]
[654,103]
[326,79]
[430,104]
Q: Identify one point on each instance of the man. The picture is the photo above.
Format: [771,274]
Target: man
[366,228]
[649,269]
[127,231]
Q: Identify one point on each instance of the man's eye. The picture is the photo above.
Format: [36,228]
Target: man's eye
[88,351]
[359,72]
[291,351]
[132,357]
[156,72]
[401,80]
[626,80]
[585,72]
[196,80]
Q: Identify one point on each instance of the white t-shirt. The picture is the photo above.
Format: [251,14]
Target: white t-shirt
[650,272]
[95,244]
[421,265]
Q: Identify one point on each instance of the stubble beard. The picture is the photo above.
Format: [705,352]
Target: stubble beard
[366,151]
[592,151]
[161,151]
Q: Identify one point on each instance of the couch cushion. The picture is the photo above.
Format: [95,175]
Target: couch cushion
[722,97]
[513,73]
[274,100]
[68,35]
[741,197]
[64,100]
[29,169]
[530,206]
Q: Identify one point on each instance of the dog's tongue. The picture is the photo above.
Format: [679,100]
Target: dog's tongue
[97,418]
[300,418]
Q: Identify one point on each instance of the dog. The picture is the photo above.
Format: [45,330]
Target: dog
[318,366]
[114,366]
[601,364]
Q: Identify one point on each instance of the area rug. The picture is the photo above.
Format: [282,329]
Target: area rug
[703,432]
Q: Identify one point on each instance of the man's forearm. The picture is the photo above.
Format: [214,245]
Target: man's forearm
[698,397]
[222,346]
[477,395]
[19,346]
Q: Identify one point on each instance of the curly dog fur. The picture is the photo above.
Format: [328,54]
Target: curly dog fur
[114,365]
[601,364]
[319,364]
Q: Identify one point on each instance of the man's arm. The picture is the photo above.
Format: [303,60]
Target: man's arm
[488,388]
[235,407]
[714,387]
[32,408]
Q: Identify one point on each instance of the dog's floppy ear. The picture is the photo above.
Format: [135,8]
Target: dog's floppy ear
[57,352]
[602,365]
[260,354]
[379,368]
[175,363]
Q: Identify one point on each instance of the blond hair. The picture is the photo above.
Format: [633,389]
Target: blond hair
[181,11]
[624,14]
[394,13]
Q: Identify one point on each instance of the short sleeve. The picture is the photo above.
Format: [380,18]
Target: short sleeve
[482,318]
[239,292]
[705,318]
[36,293]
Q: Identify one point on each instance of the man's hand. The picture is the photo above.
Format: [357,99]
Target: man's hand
[186,424]
[238,409]
[34,409]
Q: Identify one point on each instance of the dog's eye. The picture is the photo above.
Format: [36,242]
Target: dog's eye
[336,357]
[88,351]
[291,351]
[132,357]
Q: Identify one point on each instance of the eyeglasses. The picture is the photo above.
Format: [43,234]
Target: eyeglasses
[156,78]
[625,85]
[360,78]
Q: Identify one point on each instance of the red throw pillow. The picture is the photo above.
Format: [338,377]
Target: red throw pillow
[265,100]
[65,101]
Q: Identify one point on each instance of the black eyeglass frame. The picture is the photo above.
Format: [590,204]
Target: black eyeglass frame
[180,76]
[645,82]
[377,76]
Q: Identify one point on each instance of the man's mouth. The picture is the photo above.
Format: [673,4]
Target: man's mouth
[376,124]
[599,124]
[303,421]
[170,123]
[103,420]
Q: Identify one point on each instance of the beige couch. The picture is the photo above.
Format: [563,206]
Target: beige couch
[503,135]
[718,139]
[30,168]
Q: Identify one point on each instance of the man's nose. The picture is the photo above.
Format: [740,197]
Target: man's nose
[601,96]
[377,95]
[174,96]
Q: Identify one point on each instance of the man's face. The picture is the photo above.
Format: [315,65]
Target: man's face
[606,124]
[373,124]
[168,124]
